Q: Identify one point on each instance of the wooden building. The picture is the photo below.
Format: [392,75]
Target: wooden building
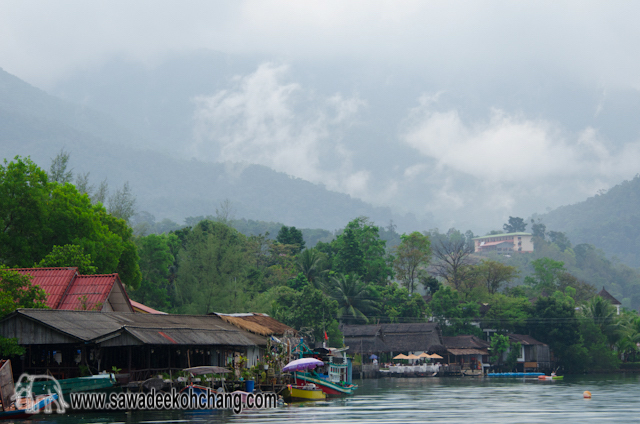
[391,338]
[534,355]
[467,351]
[141,345]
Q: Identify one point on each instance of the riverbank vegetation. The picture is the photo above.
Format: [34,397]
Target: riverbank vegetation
[360,274]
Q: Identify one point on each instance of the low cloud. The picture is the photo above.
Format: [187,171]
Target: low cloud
[266,120]
[509,163]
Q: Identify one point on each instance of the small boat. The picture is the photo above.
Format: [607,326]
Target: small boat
[101,383]
[550,377]
[308,392]
[27,408]
[15,405]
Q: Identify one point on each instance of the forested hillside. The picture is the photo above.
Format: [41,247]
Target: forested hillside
[35,124]
[609,221]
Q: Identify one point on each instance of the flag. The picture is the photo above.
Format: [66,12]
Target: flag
[325,335]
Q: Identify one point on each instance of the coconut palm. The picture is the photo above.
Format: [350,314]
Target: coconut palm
[309,264]
[353,297]
[603,314]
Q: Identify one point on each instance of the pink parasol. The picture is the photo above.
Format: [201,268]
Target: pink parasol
[302,364]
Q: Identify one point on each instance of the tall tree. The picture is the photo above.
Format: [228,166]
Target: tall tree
[155,263]
[493,274]
[17,291]
[58,172]
[412,254]
[515,225]
[353,297]
[211,273]
[453,260]
[69,255]
[292,236]
[122,203]
[546,275]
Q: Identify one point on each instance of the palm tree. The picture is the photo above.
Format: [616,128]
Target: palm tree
[353,297]
[309,264]
[603,315]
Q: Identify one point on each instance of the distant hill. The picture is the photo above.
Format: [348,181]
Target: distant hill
[609,221]
[34,123]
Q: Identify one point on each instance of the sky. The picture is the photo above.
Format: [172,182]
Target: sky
[468,111]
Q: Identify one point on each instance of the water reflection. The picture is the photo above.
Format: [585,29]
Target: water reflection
[451,400]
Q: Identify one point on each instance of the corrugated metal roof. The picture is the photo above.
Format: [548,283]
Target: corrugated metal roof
[82,325]
[54,281]
[96,288]
[148,328]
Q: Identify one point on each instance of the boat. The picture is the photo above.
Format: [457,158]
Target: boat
[515,374]
[101,383]
[333,377]
[551,377]
[308,392]
[27,408]
[14,405]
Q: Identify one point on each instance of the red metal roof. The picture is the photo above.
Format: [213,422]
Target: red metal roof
[54,281]
[96,288]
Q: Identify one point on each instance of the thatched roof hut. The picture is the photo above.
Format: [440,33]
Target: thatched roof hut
[261,324]
[383,338]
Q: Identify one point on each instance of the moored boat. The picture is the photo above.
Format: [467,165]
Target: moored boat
[308,392]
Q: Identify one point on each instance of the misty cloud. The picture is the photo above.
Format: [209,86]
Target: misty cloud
[506,160]
[265,120]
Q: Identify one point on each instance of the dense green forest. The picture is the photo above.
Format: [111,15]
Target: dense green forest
[609,220]
[360,274]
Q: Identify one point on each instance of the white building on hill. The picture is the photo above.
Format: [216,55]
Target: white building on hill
[505,243]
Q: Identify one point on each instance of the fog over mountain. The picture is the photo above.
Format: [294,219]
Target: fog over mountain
[461,114]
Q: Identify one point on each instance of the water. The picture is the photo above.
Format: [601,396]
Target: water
[616,398]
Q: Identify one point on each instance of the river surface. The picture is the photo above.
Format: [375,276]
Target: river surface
[615,398]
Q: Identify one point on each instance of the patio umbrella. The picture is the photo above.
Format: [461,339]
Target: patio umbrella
[373,357]
[412,356]
[424,355]
[435,356]
[401,356]
[302,364]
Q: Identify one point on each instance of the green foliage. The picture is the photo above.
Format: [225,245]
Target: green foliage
[155,263]
[69,255]
[508,314]
[292,236]
[499,345]
[210,276]
[309,309]
[515,225]
[452,314]
[608,220]
[512,357]
[17,291]
[398,305]
[554,322]
[37,215]
[546,275]
[412,254]
[493,274]
[359,250]
[353,298]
